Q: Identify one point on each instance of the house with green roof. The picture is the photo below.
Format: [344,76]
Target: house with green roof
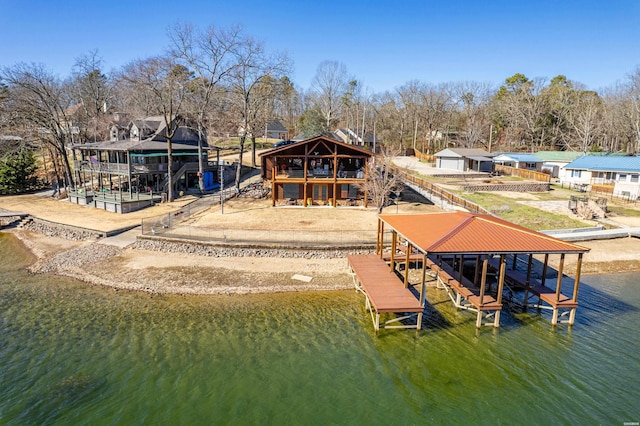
[553,161]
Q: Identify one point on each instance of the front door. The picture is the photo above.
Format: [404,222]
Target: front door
[320,193]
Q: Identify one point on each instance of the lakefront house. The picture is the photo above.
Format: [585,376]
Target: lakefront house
[130,171]
[316,171]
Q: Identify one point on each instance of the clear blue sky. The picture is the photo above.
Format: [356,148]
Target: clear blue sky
[383,44]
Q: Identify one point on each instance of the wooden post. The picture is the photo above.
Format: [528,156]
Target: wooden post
[483,280]
[394,240]
[576,285]
[559,280]
[544,268]
[406,265]
[423,288]
[381,223]
[477,270]
[528,282]
[460,268]
[378,251]
[503,267]
[273,186]
[554,319]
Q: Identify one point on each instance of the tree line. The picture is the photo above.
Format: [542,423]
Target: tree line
[225,82]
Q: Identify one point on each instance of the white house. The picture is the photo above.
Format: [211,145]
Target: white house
[519,161]
[556,160]
[621,173]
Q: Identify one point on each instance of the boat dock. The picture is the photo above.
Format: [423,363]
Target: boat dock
[467,254]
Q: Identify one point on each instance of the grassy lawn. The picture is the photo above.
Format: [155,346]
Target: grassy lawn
[510,209]
[621,210]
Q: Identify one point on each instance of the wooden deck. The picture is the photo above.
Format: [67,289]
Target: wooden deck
[384,290]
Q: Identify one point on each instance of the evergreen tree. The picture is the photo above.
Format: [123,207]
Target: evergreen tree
[17,169]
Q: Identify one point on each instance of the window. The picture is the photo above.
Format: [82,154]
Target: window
[320,192]
[634,178]
[576,173]
[622,177]
[291,190]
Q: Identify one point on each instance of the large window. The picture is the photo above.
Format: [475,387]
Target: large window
[291,190]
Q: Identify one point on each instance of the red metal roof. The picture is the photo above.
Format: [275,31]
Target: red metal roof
[462,232]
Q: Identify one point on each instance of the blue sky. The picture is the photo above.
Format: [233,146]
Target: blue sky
[384,44]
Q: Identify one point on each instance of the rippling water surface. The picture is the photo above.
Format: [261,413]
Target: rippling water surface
[71,353]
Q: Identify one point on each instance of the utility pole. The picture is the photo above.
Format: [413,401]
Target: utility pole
[221,170]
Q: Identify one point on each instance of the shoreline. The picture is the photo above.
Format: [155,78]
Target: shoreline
[158,272]
[169,272]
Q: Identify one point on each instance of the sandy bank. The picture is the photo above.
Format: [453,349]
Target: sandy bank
[182,273]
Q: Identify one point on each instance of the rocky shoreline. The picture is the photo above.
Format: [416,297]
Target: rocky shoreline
[163,266]
[160,265]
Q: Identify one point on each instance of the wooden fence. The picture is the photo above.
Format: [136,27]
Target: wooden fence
[523,173]
[447,196]
[428,158]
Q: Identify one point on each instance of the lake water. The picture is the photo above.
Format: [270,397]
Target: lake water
[71,353]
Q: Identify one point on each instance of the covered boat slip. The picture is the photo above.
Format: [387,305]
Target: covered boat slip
[474,258]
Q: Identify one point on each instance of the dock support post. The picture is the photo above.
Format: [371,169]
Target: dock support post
[576,286]
[394,241]
[406,265]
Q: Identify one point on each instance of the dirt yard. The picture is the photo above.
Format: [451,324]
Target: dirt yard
[159,272]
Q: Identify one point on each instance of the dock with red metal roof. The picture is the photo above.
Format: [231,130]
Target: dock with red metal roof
[448,242]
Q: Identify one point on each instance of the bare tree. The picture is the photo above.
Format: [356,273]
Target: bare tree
[209,55]
[585,120]
[330,84]
[41,101]
[92,89]
[435,107]
[633,111]
[382,179]
[254,66]
[473,98]
[168,84]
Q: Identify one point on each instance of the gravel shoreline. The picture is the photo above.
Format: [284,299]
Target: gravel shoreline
[165,266]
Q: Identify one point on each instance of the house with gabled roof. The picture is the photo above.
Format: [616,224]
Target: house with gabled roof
[464,159]
[355,137]
[617,175]
[316,171]
[519,161]
[276,130]
[130,171]
[553,161]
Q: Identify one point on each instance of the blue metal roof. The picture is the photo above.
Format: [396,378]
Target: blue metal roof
[521,158]
[606,164]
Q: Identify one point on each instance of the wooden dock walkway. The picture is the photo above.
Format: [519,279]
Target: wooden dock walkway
[384,292]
